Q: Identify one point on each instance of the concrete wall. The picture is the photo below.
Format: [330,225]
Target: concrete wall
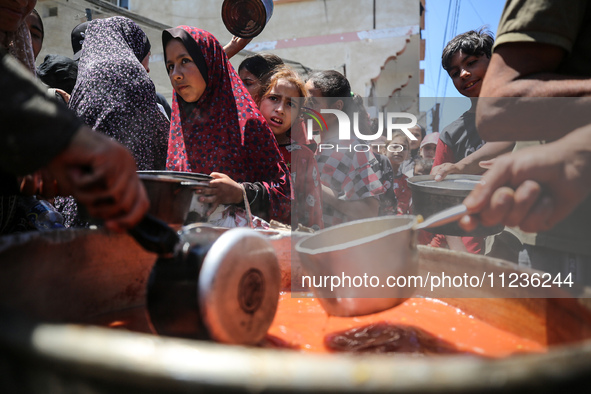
[380,60]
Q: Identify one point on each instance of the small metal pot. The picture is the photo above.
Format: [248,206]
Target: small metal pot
[355,268]
[220,285]
[355,253]
[430,196]
[173,197]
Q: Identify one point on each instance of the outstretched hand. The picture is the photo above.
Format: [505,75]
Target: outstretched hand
[222,190]
[445,169]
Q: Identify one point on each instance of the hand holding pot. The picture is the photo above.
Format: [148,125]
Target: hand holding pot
[222,190]
[534,188]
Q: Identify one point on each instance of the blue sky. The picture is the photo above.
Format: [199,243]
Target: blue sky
[444,19]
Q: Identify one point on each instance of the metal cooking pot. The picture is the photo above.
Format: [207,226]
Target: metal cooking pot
[357,251]
[221,285]
[368,247]
[173,196]
[430,196]
[107,272]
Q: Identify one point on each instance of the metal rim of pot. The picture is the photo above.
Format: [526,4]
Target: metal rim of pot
[428,184]
[173,365]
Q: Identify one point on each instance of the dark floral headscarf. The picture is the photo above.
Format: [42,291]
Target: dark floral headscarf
[115,95]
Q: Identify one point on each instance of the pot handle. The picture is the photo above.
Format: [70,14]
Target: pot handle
[155,236]
[446,216]
[247,207]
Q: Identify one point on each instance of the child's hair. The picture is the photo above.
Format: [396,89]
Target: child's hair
[333,85]
[423,130]
[284,72]
[287,73]
[427,164]
[400,133]
[260,64]
[473,43]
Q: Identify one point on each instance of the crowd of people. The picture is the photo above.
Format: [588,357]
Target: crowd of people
[246,129]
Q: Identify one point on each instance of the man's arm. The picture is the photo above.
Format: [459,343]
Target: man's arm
[524,73]
[39,133]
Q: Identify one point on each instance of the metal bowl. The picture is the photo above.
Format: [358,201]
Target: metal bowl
[192,176]
[430,196]
[173,197]
[355,254]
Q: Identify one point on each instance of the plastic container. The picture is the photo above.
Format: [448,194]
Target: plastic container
[40,214]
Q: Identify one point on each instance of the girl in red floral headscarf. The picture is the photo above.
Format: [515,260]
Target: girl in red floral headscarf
[217,129]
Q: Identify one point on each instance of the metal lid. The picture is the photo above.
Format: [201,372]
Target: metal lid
[172,179]
[239,285]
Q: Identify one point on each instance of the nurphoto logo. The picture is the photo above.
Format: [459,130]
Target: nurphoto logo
[391,119]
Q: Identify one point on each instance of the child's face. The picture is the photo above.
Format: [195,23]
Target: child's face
[185,77]
[467,72]
[278,108]
[416,131]
[318,102]
[146,62]
[252,83]
[428,151]
[37,33]
[395,154]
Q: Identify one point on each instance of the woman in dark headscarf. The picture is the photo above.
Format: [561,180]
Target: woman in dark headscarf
[113,93]
[217,129]
[115,96]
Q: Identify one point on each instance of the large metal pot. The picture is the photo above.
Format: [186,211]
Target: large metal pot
[430,196]
[63,279]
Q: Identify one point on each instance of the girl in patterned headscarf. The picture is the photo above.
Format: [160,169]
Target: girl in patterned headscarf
[115,95]
[217,129]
